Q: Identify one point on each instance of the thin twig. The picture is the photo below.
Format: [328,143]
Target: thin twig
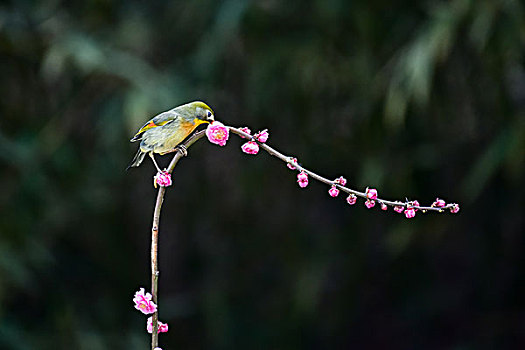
[154,265]
[320,178]
[155,235]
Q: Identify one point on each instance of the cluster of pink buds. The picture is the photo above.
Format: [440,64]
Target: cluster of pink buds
[371,196]
[302,177]
[408,208]
[440,203]
[411,209]
[252,147]
[218,133]
[334,191]
[144,303]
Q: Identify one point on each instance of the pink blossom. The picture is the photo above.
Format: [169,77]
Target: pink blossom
[439,203]
[399,208]
[383,206]
[340,180]
[246,130]
[351,199]
[371,193]
[290,166]
[217,133]
[143,302]
[455,208]
[370,203]
[415,204]
[410,212]
[250,147]
[302,179]
[262,136]
[333,191]
[161,328]
[163,179]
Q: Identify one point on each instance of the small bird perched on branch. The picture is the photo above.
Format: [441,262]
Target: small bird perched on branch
[164,132]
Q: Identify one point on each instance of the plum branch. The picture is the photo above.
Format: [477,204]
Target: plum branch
[438,205]
[218,133]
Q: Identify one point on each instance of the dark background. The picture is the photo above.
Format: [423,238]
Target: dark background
[417,99]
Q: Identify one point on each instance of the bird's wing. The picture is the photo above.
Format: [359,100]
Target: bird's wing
[158,120]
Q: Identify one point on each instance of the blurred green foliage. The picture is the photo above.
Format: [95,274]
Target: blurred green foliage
[417,99]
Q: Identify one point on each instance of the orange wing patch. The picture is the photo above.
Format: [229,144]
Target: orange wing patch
[146,127]
[152,125]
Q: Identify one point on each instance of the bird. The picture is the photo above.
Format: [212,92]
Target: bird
[165,131]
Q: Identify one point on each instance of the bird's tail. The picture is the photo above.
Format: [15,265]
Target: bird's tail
[139,157]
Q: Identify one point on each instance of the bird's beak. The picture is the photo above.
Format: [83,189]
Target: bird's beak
[210,119]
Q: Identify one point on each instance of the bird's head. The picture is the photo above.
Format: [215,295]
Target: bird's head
[203,113]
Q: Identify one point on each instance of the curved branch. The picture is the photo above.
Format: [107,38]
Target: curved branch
[287,159]
[272,151]
[155,234]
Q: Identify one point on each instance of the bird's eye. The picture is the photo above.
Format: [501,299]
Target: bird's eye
[209,114]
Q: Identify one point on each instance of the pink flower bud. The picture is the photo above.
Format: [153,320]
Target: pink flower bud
[262,136]
[399,208]
[351,199]
[246,130]
[143,302]
[410,213]
[333,191]
[371,193]
[290,166]
[415,204]
[439,203]
[370,203]
[455,208]
[163,179]
[161,327]
[250,147]
[217,133]
[340,180]
[383,206]
[302,179]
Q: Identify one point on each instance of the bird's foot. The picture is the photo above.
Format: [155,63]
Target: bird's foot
[183,150]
